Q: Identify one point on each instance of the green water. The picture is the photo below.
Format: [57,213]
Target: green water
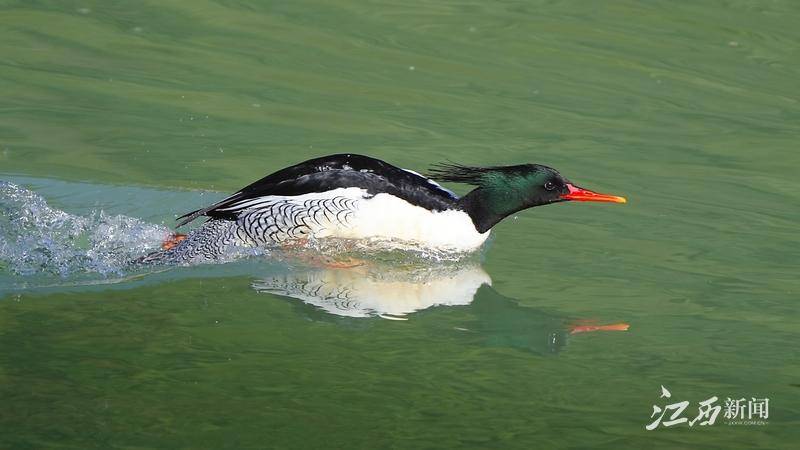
[690,109]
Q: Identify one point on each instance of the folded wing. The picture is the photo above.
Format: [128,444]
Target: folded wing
[328,173]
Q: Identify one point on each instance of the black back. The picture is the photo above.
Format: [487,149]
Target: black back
[332,172]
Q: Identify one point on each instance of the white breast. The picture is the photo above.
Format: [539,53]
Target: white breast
[389,217]
[352,213]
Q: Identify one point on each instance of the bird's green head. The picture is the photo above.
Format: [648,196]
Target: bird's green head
[504,190]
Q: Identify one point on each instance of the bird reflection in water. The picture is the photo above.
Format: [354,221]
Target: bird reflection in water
[395,291]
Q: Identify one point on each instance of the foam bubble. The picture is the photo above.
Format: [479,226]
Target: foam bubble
[36,238]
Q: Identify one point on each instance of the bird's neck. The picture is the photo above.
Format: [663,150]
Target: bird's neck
[487,206]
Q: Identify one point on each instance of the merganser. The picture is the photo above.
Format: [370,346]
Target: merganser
[353,196]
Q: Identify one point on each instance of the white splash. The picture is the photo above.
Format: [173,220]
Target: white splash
[36,238]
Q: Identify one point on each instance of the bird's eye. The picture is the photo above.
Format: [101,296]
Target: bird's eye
[549,186]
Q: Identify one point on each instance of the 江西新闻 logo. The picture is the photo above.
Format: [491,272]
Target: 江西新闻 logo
[735,411]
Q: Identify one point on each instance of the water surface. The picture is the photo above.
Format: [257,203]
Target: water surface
[690,109]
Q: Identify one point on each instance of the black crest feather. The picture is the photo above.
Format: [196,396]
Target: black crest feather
[457,173]
[477,176]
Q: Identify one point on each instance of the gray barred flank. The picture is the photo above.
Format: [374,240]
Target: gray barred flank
[263,223]
[278,220]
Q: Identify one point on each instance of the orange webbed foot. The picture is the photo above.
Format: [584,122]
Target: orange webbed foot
[172,241]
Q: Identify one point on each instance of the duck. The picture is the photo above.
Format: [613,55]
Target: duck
[358,197]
